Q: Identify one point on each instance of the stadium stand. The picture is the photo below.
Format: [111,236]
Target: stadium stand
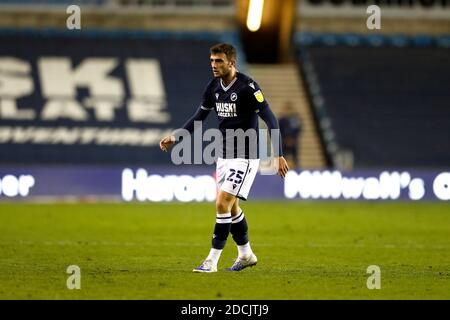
[384,100]
[176,23]
[197,5]
[283,83]
[164,15]
[172,91]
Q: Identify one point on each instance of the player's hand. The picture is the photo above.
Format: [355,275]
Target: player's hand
[167,142]
[281,166]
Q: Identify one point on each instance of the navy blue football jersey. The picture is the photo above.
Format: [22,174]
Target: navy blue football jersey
[237,106]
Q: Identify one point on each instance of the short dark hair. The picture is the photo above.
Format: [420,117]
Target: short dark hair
[227,49]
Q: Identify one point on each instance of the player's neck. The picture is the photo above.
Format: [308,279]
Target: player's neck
[230,77]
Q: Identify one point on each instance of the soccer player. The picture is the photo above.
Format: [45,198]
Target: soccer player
[237,101]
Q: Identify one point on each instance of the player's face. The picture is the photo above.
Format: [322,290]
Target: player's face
[221,66]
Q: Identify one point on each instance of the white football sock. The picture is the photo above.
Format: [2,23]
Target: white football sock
[214,255]
[245,251]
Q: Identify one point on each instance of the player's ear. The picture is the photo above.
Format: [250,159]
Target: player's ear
[233,62]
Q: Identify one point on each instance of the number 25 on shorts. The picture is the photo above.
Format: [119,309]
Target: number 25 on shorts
[238,175]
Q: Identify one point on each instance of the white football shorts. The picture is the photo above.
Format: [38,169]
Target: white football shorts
[236,176]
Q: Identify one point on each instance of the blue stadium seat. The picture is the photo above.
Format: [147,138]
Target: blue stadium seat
[389,105]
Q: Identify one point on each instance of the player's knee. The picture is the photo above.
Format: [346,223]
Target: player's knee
[224,202]
[235,210]
[222,206]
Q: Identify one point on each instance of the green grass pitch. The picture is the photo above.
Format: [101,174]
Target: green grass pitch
[306,250]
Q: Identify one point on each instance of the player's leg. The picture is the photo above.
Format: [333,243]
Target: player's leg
[239,231]
[224,203]
[234,178]
[239,227]
[235,209]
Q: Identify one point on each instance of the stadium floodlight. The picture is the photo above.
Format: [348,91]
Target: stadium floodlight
[254,15]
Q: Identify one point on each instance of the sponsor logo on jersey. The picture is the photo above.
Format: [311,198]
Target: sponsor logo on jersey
[226,109]
[252,85]
[233,97]
[259,96]
[217,96]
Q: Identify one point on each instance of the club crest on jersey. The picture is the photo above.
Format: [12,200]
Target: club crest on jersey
[259,96]
[233,97]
